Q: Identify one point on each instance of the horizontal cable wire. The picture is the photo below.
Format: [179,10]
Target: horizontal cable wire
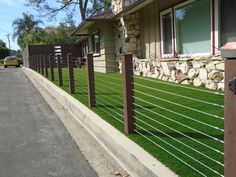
[109,88]
[177,149]
[108,112]
[112,83]
[166,134]
[111,109]
[190,118]
[170,93]
[199,142]
[106,60]
[106,67]
[179,85]
[113,66]
[119,104]
[104,86]
[209,136]
[177,104]
[116,79]
[169,152]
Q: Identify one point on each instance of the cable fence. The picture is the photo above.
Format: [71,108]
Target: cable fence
[182,126]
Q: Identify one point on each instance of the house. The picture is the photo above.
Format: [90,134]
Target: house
[172,40]
[96,35]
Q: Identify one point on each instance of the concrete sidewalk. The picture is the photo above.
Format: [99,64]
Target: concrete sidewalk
[33,141]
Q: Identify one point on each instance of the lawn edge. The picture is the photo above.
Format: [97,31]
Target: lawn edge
[128,154]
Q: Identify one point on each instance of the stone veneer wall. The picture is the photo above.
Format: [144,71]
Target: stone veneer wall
[127,35]
[119,5]
[204,72]
[201,72]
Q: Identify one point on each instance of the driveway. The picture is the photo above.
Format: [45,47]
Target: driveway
[33,142]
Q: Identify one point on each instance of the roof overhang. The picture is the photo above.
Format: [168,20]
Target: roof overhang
[82,29]
[133,7]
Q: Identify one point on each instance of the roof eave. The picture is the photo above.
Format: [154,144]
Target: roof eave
[133,7]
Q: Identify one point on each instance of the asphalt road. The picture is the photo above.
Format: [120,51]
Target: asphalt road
[33,141]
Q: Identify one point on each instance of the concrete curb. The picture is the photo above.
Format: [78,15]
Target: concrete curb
[131,157]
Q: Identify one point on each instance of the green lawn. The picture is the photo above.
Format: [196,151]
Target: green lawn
[182,126]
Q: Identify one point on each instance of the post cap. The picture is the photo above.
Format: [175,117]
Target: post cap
[228,51]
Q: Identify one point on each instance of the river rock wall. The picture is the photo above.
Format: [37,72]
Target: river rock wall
[201,72]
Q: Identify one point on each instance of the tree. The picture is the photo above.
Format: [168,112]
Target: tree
[49,35]
[33,37]
[70,7]
[25,25]
[59,35]
[4,51]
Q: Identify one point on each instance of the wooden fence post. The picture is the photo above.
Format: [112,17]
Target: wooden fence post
[229,53]
[33,62]
[71,74]
[39,62]
[59,69]
[30,62]
[128,93]
[42,61]
[90,80]
[51,66]
[45,59]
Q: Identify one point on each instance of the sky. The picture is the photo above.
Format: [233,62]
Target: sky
[13,9]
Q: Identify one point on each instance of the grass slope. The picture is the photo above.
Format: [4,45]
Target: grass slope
[172,124]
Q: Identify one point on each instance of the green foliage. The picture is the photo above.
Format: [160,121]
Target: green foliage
[28,33]
[71,7]
[32,37]
[4,51]
[59,35]
[49,35]
[99,6]
[24,27]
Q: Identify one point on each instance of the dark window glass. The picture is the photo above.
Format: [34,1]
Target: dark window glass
[193,27]
[167,33]
[227,21]
[96,43]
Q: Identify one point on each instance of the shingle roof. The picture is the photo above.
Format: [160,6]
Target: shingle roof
[105,16]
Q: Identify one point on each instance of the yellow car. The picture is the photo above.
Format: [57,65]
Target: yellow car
[11,61]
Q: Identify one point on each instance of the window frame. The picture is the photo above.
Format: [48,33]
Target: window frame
[175,30]
[84,49]
[162,13]
[98,51]
[214,33]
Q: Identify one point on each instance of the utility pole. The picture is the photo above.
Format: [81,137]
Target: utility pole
[9,43]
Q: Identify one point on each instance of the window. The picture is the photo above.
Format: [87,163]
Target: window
[193,27]
[166,32]
[186,28]
[84,49]
[96,43]
[227,12]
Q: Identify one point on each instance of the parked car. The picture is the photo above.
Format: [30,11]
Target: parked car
[11,61]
